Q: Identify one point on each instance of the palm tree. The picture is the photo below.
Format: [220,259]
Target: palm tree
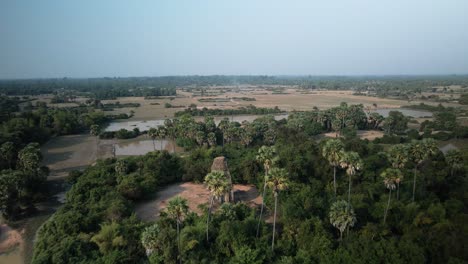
[121,167]
[218,185]
[95,130]
[277,181]
[153,134]
[342,216]
[333,151]
[177,209]
[211,138]
[454,159]
[267,157]
[162,134]
[398,157]
[149,238]
[223,127]
[200,137]
[353,163]
[420,151]
[390,177]
[171,128]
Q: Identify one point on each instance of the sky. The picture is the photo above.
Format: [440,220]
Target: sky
[111,38]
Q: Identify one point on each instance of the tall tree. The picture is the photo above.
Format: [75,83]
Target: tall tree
[419,151]
[390,177]
[153,134]
[171,128]
[398,157]
[8,153]
[454,159]
[149,238]
[277,181]
[218,185]
[352,163]
[211,138]
[267,157]
[177,209]
[162,134]
[333,151]
[30,157]
[95,130]
[342,216]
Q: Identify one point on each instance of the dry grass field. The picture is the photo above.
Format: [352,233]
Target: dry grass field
[291,100]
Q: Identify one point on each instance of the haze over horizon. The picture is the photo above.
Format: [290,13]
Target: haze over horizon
[46,39]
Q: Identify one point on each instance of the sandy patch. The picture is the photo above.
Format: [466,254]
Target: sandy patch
[10,239]
[362,134]
[196,194]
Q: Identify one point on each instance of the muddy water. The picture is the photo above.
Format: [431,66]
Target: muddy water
[146,125]
[141,147]
[407,112]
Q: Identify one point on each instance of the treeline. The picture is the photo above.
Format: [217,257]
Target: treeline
[248,110]
[334,201]
[99,88]
[110,88]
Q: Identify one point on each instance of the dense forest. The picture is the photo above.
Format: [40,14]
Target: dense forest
[342,200]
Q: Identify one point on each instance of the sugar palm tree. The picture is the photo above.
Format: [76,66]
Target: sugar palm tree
[95,130]
[352,163]
[171,129]
[277,181]
[420,151]
[333,151]
[121,167]
[267,157]
[398,157]
[454,159]
[162,134]
[177,209]
[342,216]
[211,138]
[218,185]
[153,134]
[149,238]
[390,177]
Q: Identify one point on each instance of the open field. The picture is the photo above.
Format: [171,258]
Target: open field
[196,194]
[292,100]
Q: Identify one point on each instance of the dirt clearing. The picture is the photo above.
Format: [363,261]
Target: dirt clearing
[196,194]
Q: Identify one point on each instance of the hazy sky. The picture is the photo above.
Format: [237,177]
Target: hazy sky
[151,38]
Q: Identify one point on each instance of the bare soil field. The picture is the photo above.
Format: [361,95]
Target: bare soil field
[196,194]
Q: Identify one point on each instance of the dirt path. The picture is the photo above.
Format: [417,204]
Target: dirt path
[196,194]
